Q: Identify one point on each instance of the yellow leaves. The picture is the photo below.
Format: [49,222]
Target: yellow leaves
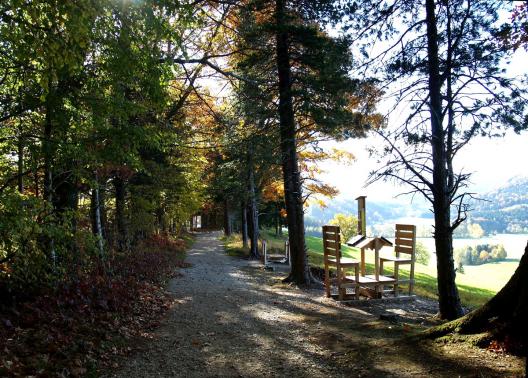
[335,154]
[342,156]
[273,192]
[319,202]
[347,223]
[322,189]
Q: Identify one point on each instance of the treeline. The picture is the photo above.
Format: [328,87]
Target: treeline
[480,254]
[102,132]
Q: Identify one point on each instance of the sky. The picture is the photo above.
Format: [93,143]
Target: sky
[492,162]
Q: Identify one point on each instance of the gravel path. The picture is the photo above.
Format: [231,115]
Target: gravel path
[234,319]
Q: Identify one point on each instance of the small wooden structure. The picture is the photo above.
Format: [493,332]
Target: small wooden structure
[276,257]
[377,280]
[405,243]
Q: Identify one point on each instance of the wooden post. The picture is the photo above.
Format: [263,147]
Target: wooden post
[362,215]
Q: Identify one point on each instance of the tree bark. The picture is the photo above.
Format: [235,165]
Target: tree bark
[449,301]
[277,220]
[253,212]
[244,226]
[120,197]
[98,223]
[227,222]
[503,316]
[47,149]
[300,273]
[20,163]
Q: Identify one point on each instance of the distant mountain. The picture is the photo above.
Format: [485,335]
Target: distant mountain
[377,212]
[505,209]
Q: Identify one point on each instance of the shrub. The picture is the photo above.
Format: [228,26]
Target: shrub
[422,254]
[348,225]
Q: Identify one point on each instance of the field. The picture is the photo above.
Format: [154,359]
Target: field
[476,285]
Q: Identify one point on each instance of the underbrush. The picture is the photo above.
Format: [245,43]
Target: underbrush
[77,327]
[234,247]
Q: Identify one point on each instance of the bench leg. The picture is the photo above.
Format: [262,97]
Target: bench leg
[327,281]
[396,273]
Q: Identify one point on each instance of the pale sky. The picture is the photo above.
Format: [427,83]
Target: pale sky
[492,161]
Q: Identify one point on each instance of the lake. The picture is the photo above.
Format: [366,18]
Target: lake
[513,243]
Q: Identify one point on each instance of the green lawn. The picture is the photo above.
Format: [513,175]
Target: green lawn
[476,285]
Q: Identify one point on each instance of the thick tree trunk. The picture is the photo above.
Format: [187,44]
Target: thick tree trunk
[227,222]
[300,272]
[244,226]
[120,219]
[449,301]
[66,193]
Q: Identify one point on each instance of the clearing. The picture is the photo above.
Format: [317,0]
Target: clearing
[232,318]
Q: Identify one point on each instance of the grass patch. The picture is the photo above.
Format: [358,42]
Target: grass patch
[234,247]
[476,286]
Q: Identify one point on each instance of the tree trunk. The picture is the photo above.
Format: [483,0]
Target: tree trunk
[300,273]
[244,226]
[449,301]
[36,182]
[503,316]
[277,220]
[253,213]
[47,149]
[47,152]
[20,163]
[280,223]
[97,219]
[227,223]
[120,197]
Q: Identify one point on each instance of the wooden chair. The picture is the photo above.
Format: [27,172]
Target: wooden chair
[404,244]
[333,258]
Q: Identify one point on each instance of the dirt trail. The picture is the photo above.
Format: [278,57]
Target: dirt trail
[233,319]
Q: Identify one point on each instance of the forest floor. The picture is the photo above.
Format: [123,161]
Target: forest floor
[232,318]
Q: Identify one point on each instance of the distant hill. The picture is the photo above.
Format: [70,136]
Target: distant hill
[505,209]
[377,212]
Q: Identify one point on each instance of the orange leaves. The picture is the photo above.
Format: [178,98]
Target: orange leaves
[273,192]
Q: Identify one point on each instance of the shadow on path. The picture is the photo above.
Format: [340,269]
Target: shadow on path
[232,319]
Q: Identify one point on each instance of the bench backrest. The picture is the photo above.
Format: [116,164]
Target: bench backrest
[405,239]
[332,242]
